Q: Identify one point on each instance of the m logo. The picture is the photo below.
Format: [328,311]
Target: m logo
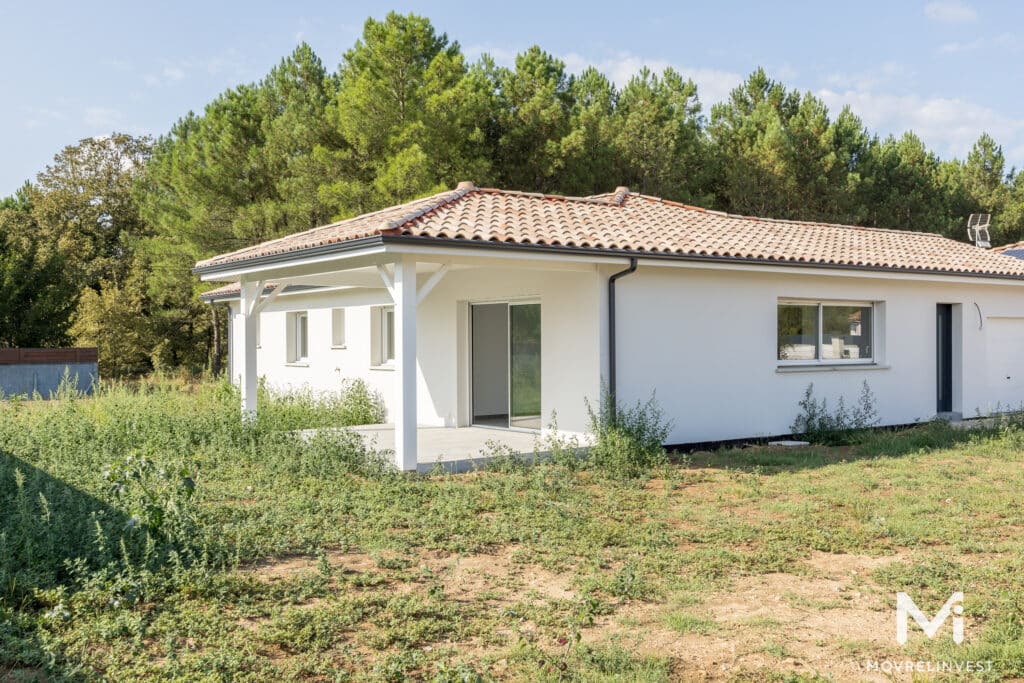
[905,607]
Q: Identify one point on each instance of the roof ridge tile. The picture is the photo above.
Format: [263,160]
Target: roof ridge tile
[450,197]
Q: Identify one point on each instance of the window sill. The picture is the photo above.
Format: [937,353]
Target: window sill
[340,347]
[297,364]
[829,367]
[387,366]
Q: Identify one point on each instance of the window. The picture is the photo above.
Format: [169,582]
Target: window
[798,332]
[298,337]
[337,328]
[388,334]
[819,332]
[383,335]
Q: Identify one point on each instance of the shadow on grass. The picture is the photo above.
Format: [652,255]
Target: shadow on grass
[47,527]
[877,443]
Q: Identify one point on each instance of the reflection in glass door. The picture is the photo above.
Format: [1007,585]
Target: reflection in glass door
[524,365]
[505,362]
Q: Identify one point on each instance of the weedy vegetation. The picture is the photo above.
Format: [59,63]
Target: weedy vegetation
[837,426]
[627,439]
[147,533]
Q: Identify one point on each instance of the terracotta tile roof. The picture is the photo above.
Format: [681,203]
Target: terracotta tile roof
[626,221]
[366,225]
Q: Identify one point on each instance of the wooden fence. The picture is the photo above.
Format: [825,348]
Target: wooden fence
[47,356]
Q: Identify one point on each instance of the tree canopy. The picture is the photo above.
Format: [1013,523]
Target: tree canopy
[99,249]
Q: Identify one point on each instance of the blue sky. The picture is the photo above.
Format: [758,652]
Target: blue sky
[948,69]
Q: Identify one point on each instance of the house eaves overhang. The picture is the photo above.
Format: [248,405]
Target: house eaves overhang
[219,298]
[288,290]
[395,243]
[232,268]
[620,256]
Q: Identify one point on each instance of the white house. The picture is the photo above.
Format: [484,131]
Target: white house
[498,308]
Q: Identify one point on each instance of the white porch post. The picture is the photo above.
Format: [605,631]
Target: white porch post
[251,292]
[404,293]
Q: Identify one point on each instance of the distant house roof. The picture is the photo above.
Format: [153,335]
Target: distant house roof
[624,222]
[1015,250]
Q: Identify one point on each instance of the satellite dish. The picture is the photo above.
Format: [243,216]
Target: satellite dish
[977,229]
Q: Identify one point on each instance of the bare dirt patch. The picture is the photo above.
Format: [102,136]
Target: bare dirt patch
[499,575]
[476,576]
[827,620]
[279,569]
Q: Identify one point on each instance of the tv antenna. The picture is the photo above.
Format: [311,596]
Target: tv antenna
[977,229]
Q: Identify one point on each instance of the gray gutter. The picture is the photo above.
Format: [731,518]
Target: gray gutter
[663,256]
[613,401]
[288,289]
[219,298]
[284,257]
[378,240]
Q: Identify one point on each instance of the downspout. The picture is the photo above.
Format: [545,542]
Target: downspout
[612,399]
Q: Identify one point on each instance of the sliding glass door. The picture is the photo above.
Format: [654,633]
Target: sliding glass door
[505,358]
[524,365]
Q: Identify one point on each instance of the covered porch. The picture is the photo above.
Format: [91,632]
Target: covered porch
[428,384]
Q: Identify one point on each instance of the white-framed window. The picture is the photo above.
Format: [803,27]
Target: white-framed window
[825,332]
[298,337]
[382,335]
[337,328]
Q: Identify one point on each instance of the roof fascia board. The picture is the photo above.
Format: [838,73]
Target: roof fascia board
[292,290]
[219,298]
[559,252]
[829,270]
[339,251]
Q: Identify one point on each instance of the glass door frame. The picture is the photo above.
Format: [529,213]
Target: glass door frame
[509,303]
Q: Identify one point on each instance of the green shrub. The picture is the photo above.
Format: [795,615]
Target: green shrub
[355,403]
[501,458]
[628,440]
[159,498]
[562,449]
[837,427]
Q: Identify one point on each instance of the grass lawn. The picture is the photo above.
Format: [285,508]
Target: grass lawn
[308,560]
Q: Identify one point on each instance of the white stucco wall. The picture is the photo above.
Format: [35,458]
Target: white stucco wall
[705,340]
[570,341]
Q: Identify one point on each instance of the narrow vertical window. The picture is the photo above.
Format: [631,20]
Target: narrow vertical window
[302,335]
[389,334]
[382,336]
[338,328]
[298,336]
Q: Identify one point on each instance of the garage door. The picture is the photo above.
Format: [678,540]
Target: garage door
[1005,361]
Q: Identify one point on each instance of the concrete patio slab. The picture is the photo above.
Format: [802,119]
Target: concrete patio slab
[463,449]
